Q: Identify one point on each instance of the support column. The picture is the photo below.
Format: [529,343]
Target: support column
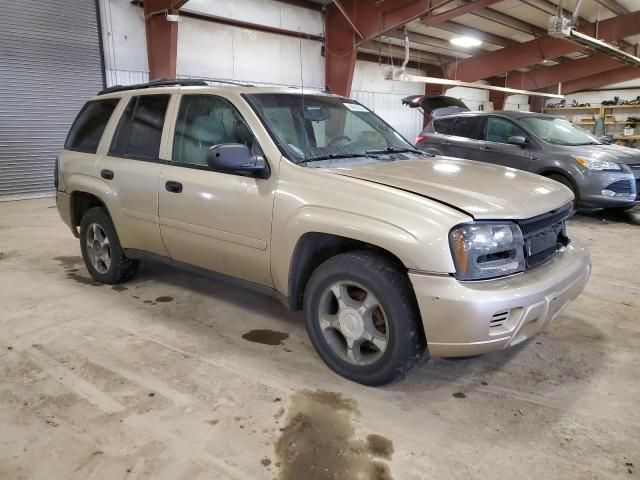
[162,38]
[498,99]
[340,53]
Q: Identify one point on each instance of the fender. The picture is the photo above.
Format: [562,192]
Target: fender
[396,240]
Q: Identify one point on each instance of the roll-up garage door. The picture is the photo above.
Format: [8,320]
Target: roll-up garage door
[50,63]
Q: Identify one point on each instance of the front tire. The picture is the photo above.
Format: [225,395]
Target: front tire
[101,250]
[567,183]
[362,318]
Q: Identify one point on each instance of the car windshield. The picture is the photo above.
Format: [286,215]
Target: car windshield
[321,127]
[559,131]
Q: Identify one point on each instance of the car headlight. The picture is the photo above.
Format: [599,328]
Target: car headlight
[487,250]
[596,164]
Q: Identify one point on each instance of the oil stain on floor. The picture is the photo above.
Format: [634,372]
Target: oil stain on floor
[319,443]
[266,337]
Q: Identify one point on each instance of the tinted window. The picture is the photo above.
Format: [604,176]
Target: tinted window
[140,128]
[468,127]
[204,121]
[89,125]
[499,130]
[443,125]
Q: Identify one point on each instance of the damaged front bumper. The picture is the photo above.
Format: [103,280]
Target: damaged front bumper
[470,318]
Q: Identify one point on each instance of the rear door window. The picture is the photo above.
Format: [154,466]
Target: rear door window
[443,125]
[89,125]
[467,127]
[139,131]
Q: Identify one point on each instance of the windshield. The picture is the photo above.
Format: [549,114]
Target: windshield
[320,127]
[559,131]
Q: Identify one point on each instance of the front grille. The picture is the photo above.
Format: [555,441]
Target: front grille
[621,186]
[544,235]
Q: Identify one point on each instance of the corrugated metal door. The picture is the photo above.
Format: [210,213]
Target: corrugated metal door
[50,63]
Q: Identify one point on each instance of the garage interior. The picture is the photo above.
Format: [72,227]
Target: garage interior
[176,376]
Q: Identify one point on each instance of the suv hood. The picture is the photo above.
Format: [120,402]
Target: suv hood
[607,152]
[482,190]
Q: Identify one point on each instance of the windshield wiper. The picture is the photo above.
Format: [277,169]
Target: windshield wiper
[395,150]
[331,156]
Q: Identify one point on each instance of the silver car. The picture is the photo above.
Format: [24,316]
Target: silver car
[600,175]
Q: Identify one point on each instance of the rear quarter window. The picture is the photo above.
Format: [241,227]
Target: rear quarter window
[89,125]
[443,125]
[468,127]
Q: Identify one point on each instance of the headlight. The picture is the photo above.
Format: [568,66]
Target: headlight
[487,250]
[595,164]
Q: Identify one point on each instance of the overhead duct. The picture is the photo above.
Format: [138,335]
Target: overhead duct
[562,27]
[399,74]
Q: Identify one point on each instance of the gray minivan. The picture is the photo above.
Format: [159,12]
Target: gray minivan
[600,175]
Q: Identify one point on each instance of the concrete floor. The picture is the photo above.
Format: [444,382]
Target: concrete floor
[155,380]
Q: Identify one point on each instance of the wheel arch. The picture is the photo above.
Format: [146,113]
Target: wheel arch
[81,202]
[313,249]
[546,172]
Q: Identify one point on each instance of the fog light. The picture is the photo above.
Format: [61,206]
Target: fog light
[611,193]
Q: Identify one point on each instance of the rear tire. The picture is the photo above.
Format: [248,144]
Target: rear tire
[362,318]
[101,250]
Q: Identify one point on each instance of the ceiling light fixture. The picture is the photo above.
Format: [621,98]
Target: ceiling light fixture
[466,42]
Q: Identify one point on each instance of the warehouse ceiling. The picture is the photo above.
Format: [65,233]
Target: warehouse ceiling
[517,21]
[501,26]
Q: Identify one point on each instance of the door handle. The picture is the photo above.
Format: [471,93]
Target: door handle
[484,147]
[106,174]
[173,187]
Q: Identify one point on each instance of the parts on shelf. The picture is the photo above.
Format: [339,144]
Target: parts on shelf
[617,101]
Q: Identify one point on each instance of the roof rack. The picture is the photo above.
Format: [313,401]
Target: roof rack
[163,82]
[168,82]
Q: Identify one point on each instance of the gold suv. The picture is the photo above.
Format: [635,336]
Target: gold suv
[316,200]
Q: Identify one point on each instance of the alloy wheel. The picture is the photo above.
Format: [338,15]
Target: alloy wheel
[98,248]
[353,323]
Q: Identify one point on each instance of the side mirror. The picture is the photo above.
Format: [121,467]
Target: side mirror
[236,158]
[517,140]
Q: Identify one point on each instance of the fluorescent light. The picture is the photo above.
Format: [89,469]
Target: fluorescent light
[466,42]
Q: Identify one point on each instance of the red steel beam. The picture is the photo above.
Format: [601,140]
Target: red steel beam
[473,6]
[601,79]
[542,77]
[340,53]
[529,53]
[162,38]
[355,22]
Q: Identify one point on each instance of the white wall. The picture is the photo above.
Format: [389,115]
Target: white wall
[213,50]
[217,51]
[385,97]
[517,102]
[473,98]
[124,42]
[263,12]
